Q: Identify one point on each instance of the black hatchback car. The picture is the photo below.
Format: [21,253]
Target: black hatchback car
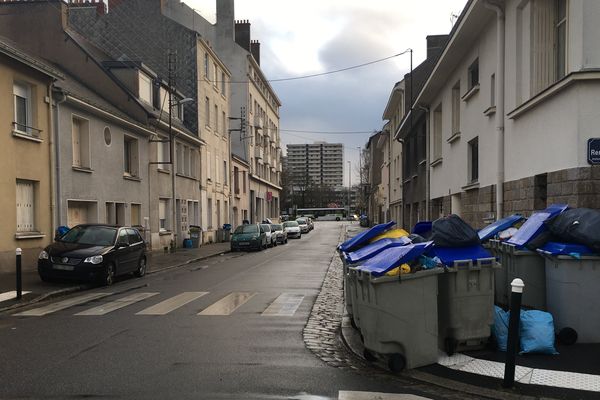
[94,253]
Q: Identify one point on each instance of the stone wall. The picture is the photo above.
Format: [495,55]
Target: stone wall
[577,187]
[519,196]
[479,206]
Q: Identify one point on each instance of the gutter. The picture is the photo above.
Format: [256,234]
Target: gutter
[55,165]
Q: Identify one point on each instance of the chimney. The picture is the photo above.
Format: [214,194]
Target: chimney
[255,50]
[242,34]
[435,45]
[225,18]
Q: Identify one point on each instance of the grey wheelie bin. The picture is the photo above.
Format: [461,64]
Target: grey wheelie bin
[466,299]
[398,317]
[573,294]
[528,266]
[501,282]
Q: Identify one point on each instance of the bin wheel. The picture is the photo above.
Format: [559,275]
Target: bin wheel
[396,362]
[450,345]
[370,357]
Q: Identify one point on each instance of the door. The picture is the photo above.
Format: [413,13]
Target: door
[136,245]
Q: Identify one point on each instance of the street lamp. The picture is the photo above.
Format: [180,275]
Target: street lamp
[360,173]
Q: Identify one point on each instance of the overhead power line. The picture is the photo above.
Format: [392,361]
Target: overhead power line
[329,132]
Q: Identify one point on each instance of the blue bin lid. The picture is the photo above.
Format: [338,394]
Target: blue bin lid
[422,228]
[375,248]
[493,229]
[392,257]
[558,249]
[364,237]
[448,255]
[535,225]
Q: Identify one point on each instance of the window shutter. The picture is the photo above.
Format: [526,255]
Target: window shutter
[25,207]
[76,143]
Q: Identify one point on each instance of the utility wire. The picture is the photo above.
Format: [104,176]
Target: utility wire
[330,132]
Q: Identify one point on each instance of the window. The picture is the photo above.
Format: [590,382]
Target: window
[25,206]
[179,158]
[187,171]
[206,65]
[437,133]
[136,214]
[145,87]
[473,74]
[23,107]
[223,83]
[192,163]
[224,123]
[162,214]
[244,181]
[80,134]
[163,155]
[548,47]
[215,74]
[163,100]
[474,160]
[210,213]
[130,156]
[208,167]
[225,172]
[207,111]
[456,108]
[216,117]
[236,180]
[107,136]
[217,162]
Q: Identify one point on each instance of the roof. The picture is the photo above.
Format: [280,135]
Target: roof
[11,49]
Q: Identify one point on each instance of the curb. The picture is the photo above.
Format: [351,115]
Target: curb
[78,288]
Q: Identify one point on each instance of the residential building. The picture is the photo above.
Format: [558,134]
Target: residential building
[240,190]
[128,28]
[409,128]
[112,133]
[511,105]
[375,191]
[253,100]
[25,151]
[393,113]
[319,164]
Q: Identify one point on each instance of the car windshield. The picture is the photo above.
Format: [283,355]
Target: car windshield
[290,224]
[276,227]
[301,221]
[246,229]
[266,227]
[96,235]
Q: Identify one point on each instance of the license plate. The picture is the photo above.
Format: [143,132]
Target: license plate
[63,267]
[244,243]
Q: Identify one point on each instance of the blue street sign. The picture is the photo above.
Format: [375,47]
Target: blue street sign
[593,151]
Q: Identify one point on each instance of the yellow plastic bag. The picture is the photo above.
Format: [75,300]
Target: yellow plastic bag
[404,269]
[391,234]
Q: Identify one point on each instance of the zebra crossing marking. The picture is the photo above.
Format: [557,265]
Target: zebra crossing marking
[61,305]
[284,305]
[11,295]
[228,304]
[119,303]
[165,307]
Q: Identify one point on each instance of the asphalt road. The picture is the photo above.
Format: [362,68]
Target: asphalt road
[229,327]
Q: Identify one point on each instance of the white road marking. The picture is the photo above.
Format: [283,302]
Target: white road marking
[11,295]
[165,307]
[115,305]
[285,305]
[350,395]
[228,304]
[61,305]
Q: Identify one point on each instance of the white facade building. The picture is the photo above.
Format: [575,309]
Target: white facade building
[319,163]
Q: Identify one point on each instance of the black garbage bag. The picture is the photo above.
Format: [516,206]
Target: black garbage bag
[577,225]
[452,231]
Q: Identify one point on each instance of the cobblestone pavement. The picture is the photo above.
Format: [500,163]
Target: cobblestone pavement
[322,335]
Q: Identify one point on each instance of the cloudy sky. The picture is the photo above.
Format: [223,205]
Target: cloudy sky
[314,36]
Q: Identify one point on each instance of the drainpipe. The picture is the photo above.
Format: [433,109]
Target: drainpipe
[427,170]
[495,6]
[54,138]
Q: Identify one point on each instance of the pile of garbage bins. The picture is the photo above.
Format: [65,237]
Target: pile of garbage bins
[445,285]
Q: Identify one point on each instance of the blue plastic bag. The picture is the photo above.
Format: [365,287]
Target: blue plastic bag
[537,332]
[500,328]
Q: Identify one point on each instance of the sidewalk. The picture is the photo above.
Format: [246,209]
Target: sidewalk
[573,373]
[35,290]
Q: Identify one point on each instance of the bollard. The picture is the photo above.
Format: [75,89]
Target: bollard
[513,332]
[19,282]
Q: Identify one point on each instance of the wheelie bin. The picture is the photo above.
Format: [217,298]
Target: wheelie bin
[530,267]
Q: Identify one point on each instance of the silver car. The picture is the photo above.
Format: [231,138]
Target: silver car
[303,222]
[292,229]
[271,240]
[280,233]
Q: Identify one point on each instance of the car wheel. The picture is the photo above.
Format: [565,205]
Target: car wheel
[141,270]
[109,275]
[285,240]
[275,243]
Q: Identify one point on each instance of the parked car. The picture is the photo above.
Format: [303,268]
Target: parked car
[303,222]
[352,217]
[292,228]
[271,240]
[247,237]
[310,223]
[280,233]
[94,252]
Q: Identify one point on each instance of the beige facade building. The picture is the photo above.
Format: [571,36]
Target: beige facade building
[25,151]
[394,112]
[240,190]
